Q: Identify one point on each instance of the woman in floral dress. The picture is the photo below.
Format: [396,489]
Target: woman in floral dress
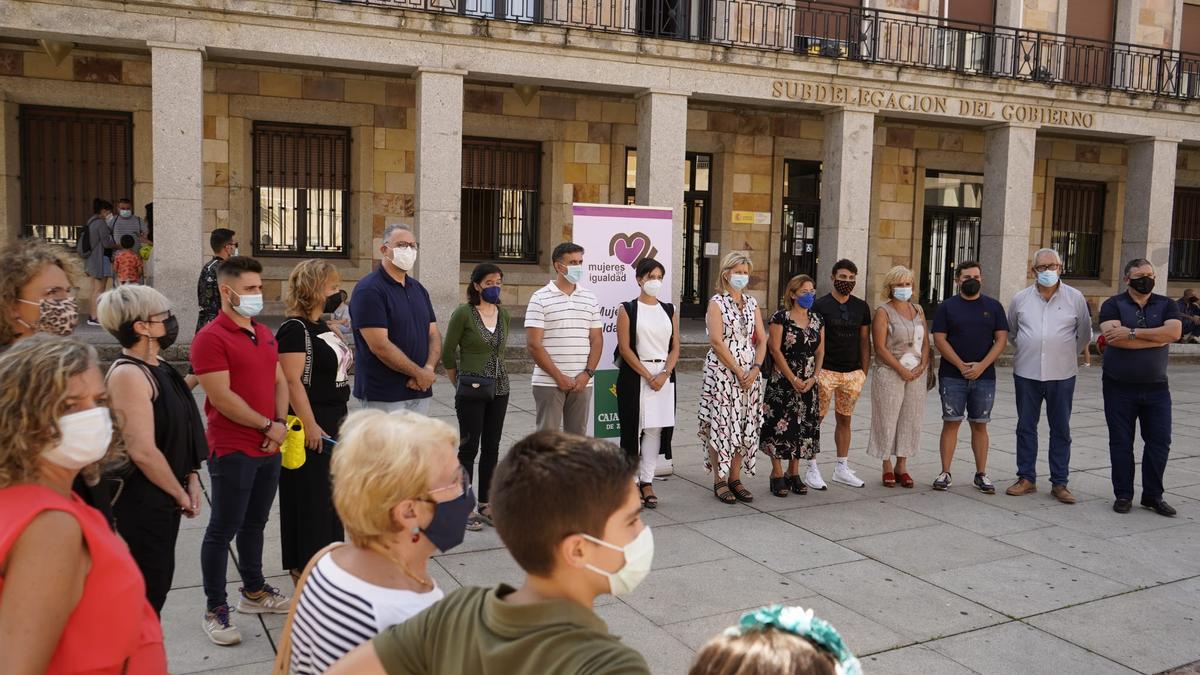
[731,397]
[791,428]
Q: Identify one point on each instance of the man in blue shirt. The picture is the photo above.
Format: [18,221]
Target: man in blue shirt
[1138,325]
[395,330]
[969,331]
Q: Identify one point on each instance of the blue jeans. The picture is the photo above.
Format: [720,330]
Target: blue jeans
[1150,407]
[417,405]
[1058,395]
[972,399]
[242,491]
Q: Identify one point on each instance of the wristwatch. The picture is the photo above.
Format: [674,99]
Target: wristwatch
[1132,333]
[590,372]
[266,427]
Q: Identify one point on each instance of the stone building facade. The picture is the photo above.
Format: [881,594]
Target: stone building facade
[800,132]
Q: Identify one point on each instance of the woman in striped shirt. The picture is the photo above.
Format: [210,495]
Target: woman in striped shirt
[402,496]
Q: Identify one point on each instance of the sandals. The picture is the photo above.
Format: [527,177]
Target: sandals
[779,486]
[906,480]
[889,479]
[796,484]
[481,516]
[740,491]
[721,490]
[649,501]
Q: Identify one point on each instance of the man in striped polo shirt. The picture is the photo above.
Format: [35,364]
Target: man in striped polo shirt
[564,336]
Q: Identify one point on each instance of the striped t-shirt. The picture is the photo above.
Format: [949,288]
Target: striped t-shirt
[567,321]
[337,612]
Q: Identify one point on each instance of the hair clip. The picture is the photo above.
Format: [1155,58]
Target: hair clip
[800,622]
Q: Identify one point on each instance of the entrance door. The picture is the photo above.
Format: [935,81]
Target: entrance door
[697,197]
[953,214]
[801,220]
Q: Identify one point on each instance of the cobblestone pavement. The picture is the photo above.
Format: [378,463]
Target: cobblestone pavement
[916,581]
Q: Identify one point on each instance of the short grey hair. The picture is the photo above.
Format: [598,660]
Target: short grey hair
[1045,251]
[131,302]
[392,227]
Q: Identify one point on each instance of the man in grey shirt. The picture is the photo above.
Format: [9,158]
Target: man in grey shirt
[1049,325]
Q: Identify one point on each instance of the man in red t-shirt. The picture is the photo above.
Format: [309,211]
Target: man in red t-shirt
[236,361]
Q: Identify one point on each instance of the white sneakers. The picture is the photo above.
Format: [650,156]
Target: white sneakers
[665,467]
[812,478]
[843,474]
[220,628]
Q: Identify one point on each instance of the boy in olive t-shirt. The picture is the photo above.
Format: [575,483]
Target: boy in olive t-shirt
[575,539]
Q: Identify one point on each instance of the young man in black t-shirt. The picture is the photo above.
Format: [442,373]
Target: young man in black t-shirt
[847,355]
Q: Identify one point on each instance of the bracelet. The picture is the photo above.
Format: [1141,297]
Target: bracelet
[756,365]
[266,427]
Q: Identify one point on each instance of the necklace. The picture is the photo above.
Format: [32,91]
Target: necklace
[424,583]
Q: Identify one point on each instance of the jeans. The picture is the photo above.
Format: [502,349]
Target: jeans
[972,399]
[417,405]
[480,424]
[1058,395]
[557,409]
[1150,407]
[243,488]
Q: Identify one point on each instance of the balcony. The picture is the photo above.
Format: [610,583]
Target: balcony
[857,34]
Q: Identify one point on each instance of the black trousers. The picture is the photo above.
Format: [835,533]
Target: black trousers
[480,424]
[148,520]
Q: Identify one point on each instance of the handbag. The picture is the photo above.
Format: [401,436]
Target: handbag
[479,387]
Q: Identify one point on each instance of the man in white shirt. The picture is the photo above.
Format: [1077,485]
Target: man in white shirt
[1049,325]
[563,334]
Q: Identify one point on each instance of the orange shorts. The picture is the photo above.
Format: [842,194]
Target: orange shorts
[841,388]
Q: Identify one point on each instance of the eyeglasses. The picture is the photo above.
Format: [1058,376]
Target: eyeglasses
[404,244]
[166,318]
[1053,267]
[455,489]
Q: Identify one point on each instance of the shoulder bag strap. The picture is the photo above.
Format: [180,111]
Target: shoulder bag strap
[283,657]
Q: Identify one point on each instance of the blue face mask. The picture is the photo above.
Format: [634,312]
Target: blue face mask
[249,306]
[739,281]
[574,273]
[449,524]
[491,294]
[1047,278]
[805,300]
[902,293]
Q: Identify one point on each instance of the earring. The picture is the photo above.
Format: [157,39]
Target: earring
[416,534]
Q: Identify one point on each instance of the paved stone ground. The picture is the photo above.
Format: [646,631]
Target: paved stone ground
[916,581]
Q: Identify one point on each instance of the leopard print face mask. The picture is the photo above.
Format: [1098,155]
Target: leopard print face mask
[59,316]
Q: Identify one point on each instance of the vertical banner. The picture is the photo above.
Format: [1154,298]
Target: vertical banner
[615,239]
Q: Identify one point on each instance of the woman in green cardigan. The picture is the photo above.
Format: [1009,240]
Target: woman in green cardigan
[473,356]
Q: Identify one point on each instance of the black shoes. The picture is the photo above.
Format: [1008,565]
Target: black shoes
[1160,507]
[1122,505]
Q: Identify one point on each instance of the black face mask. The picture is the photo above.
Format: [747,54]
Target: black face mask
[842,286]
[971,287]
[171,326]
[449,524]
[1142,284]
[332,302]
[128,338]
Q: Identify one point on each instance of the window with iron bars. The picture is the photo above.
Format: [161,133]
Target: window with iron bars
[1185,235]
[501,197]
[301,190]
[1078,226]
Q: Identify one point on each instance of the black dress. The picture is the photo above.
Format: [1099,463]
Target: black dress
[307,519]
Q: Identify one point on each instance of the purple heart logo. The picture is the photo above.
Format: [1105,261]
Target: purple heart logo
[630,248]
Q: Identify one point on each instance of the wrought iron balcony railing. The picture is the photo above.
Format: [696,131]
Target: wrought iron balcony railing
[861,34]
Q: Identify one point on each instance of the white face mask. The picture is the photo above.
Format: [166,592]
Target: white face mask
[404,258]
[249,305]
[86,436]
[902,293]
[652,287]
[126,213]
[639,554]
[739,281]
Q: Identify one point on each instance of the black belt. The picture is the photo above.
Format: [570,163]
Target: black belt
[654,360]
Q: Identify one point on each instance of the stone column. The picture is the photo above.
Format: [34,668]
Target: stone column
[1149,203]
[439,185]
[1007,202]
[661,150]
[846,196]
[178,137]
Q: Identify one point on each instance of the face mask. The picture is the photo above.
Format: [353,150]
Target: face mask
[574,273]
[970,287]
[249,305]
[1047,278]
[805,300]
[491,294]
[652,287]
[902,293]
[332,302]
[125,213]
[449,524]
[843,287]
[86,436]
[56,316]
[404,258]
[109,219]
[739,281]
[129,337]
[236,252]
[171,326]
[1142,285]
[639,554]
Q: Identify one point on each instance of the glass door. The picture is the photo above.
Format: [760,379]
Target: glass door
[801,220]
[953,215]
[697,196]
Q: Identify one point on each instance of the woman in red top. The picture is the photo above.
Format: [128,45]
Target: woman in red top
[71,598]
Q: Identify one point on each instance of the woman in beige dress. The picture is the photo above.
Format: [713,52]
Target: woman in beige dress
[898,381]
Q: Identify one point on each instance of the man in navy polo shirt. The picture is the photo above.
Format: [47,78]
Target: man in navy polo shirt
[395,330]
[237,362]
[1138,325]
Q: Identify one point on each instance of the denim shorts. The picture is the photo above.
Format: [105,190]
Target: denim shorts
[971,399]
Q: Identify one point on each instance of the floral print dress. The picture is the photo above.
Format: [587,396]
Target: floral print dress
[791,425]
[730,418]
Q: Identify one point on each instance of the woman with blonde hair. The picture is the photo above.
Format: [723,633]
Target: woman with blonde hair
[898,384]
[402,496]
[316,363]
[71,596]
[731,395]
[161,429]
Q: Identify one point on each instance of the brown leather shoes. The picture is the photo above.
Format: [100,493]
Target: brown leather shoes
[1021,487]
[1062,494]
